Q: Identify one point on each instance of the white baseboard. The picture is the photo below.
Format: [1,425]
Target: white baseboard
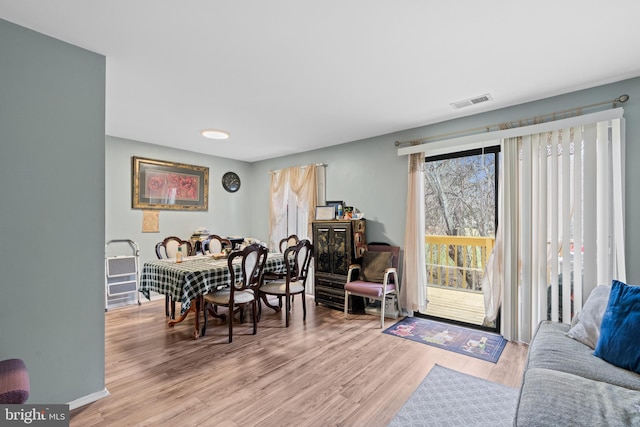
[90,398]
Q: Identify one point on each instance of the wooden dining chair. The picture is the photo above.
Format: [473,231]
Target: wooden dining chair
[214,244]
[243,288]
[292,240]
[167,249]
[297,260]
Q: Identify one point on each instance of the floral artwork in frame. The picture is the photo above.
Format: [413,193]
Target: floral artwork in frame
[158,184]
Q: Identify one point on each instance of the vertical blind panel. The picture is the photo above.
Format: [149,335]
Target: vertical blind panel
[565,195]
[589,200]
[536,309]
[508,206]
[553,212]
[617,150]
[568,221]
[526,234]
[577,220]
[565,219]
[543,247]
[602,203]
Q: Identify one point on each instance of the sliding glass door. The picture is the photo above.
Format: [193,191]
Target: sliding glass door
[460,221]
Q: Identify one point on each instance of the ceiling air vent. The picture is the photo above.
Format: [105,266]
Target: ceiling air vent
[472,101]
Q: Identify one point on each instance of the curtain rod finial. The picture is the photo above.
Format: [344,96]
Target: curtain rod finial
[623,98]
[397,143]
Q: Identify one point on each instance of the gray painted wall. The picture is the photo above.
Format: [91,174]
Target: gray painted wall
[52,98]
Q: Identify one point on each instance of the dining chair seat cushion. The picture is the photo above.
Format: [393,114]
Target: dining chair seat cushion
[222,297]
[374,265]
[368,289]
[280,288]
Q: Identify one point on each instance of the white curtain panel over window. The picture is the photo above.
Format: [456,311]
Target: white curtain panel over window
[302,182]
[278,208]
[565,218]
[413,292]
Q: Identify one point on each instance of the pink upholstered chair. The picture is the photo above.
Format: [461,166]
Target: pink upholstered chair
[14,382]
[375,279]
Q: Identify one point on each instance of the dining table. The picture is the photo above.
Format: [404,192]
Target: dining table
[189,280]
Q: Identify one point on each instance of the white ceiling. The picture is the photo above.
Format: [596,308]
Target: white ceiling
[290,76]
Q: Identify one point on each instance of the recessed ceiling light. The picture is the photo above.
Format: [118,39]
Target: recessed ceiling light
[215,134]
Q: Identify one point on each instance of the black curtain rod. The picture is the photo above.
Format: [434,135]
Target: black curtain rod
[519,123]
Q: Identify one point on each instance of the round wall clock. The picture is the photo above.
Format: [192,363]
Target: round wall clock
[231,182]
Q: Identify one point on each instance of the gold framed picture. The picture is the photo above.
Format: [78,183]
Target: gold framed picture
[158,184]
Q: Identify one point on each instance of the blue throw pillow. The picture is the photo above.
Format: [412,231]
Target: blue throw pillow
[620,328]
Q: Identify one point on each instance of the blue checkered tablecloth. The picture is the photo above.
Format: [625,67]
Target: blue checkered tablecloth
[194,276]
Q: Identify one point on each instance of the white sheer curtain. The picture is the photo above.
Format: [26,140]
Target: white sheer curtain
[278,208]
[413,292]
[492,279]
[562,223]
[302,183]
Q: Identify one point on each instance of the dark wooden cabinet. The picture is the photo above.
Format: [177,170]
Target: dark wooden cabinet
[337,244]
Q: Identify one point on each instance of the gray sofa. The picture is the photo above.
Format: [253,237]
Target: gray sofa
[564,384]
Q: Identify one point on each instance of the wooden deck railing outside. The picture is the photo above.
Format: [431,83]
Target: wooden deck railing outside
[457,261]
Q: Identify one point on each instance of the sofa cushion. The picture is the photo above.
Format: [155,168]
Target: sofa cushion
[551,348]
[620,328]
[553,398]
[587,328]
[374,265]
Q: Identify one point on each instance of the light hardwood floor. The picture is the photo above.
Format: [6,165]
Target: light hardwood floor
[328,371]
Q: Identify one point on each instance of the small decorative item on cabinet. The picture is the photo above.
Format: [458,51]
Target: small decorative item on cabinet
[336,204]
[348,212]
[337,244]
[325,213]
